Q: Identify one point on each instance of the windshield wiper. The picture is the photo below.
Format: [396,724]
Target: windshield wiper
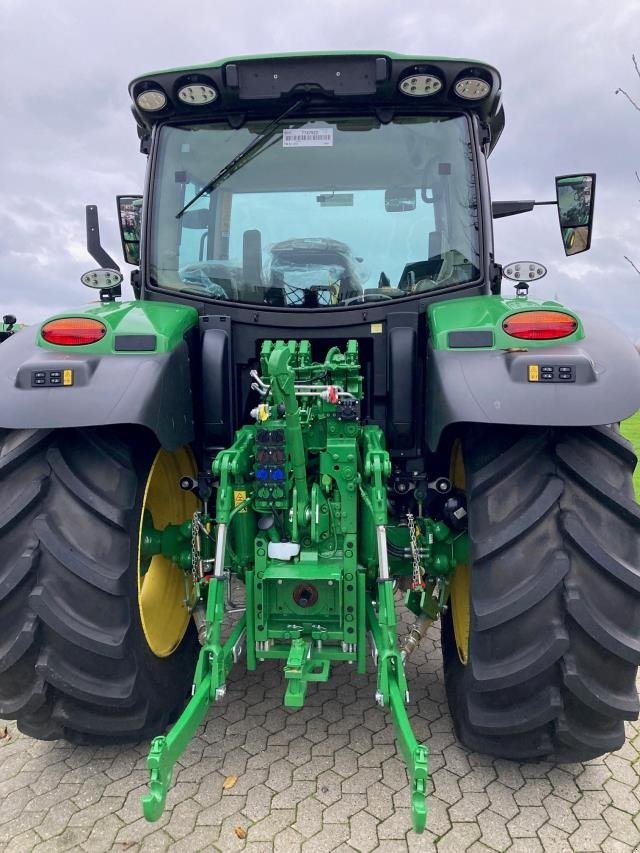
[241,158]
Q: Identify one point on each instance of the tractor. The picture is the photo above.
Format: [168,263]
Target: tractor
[9,326]
[328,393]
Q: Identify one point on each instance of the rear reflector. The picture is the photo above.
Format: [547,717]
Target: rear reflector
[73,331]
[540,325]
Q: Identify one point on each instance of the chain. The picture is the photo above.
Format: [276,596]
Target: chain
[415,556]
[195,548]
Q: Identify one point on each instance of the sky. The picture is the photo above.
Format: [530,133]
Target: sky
[68,139]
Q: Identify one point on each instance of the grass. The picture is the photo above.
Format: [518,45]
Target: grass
[631,430]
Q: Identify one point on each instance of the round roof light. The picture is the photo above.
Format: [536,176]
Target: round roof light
[151,100]
[472,88]
[197,94]
[102,279]
[420,85]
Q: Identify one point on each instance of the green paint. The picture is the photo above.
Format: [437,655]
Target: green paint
[168,322]
[487,313]
[173,542]
[305,487]
[630,429]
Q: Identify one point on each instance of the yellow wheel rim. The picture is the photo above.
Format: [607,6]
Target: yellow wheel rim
[459,596]
[161,589]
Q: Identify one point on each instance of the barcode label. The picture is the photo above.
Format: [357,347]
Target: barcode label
[316,137]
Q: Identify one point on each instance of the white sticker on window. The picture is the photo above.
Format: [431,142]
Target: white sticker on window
[307,137]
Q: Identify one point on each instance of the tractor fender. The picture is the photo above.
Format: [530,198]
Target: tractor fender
[150,390]
[506,386]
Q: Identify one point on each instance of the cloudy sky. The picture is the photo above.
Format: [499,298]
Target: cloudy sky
[67,137]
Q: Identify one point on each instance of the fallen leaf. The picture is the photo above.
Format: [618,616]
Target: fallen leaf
[240,831]
[229,782]
[4,733]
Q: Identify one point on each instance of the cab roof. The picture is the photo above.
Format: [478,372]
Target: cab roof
[264,85]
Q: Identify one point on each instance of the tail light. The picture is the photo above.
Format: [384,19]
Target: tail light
[540,325]
[73,331]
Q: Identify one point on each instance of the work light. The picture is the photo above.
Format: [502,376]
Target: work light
[472,88]
[420,85]
[151,100]
[197,94]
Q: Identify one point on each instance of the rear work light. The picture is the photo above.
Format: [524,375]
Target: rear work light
[540,325]
[73,331]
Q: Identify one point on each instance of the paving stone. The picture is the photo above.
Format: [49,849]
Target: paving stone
[182,821]
[553,839]
[460,837]
[610,845]
[326,840]
[438,821]
[527,822]
[380,801]
[591,805]
[24,841]
[344,808]
[446,786]
[526,845]
[621,769]
[469,807]
[363,835]
[395,826]
[477,779]
[623,796]
[622,826]
[532,792]
[502,800]
[102,837]
[593,777]
[589,836]
[560,813]
[287,841]
[309,817]
[327,777]
[361,781]
[494,830]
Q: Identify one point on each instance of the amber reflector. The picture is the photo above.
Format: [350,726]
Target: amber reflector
[73,331]
[540,325]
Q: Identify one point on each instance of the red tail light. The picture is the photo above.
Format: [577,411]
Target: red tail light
[73,331]
[540,325]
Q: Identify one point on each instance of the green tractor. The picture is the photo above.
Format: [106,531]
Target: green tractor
[321,393]
[9,326]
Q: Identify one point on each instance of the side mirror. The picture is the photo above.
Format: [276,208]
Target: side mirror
[575,195]
[130,219]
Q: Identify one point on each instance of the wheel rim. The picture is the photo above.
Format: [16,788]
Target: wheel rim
[161,588]
[460,593]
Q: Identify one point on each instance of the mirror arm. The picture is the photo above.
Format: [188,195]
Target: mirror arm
[499,209]
[93,240]
[510,208]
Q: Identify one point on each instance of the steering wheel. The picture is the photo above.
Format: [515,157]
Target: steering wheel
[196,276]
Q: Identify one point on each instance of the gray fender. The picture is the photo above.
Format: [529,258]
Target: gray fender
[153,391]
[493,387]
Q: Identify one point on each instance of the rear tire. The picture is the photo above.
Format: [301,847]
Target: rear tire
[554,640]
[74,660]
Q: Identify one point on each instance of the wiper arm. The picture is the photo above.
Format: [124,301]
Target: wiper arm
[241,158]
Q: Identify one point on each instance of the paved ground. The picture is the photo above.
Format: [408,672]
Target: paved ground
[324,778]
